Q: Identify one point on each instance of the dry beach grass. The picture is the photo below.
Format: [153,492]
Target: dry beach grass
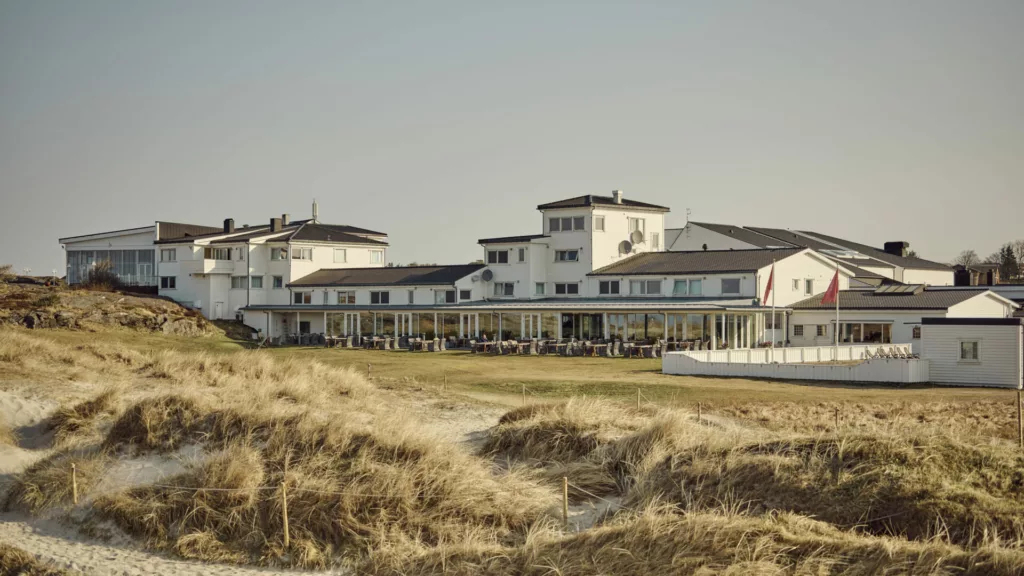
[753,488]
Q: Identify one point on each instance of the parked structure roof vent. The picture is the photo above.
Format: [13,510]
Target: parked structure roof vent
[285,219]
[617,196]
[229,225]
[275,224]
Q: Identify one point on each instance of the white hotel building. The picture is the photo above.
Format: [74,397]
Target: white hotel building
[600,267]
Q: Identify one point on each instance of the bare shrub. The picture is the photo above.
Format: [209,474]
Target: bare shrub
[16,561]
[6,273]
[102,277]
[68,422]
[47,483]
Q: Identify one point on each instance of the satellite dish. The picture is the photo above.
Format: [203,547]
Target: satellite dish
[625,247]
[474,278]
[488,275]
[637,237]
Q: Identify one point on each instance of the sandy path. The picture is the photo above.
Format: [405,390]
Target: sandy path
[51,542]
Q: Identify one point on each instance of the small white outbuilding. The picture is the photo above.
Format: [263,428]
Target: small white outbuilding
[974,351]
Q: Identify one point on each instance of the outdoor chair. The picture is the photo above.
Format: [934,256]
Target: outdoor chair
[616,349]
[472,346]
[533,347]
[443,347]
[664,349]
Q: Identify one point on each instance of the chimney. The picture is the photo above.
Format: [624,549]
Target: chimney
[275,224]
[315,218]
[898,248]
[617,196]
[229,225]
[284,219]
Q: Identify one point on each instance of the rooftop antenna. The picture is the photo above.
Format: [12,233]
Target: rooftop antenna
[687,225]
[315,221]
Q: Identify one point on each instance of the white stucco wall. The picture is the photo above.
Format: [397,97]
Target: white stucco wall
[902,322]
[930,277]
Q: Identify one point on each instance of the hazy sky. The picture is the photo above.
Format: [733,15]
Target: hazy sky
[444,122]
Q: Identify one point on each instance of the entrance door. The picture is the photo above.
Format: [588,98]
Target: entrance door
[218,310]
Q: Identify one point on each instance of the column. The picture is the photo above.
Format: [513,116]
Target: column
[297,322]
[435,325]
[735,331]
[714,332]
[325,322]
[785,329]
[461,320]
[558,325]
[270,324]
[476,323]
[604,325]
[522,325]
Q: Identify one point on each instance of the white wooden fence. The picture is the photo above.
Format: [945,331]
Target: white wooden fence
[797,364]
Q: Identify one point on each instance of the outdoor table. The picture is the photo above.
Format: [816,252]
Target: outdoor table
[595,347]
[483,345]
[563,345]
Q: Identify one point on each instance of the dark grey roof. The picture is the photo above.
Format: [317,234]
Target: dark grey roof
[170,230]
[794,238]
[594,200]
[972,321]
[869,300]
[334,233]
[511,239]
[394,276]
[695,262]
[901,261]
[745,235]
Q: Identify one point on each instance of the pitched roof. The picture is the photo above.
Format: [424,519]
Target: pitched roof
[901,261]
[745,235]
[695,262]
[794,238]
[595,200]
[170,230]
[872,300]
[394,276]
[333,233]
[511,239]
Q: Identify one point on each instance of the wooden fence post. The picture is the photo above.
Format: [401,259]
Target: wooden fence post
[1020,422]
[524,394]
[698,413]
[565,501]
[445,381]
[74,483]
[638,398]
[284,513]
[837,419]
[369,370]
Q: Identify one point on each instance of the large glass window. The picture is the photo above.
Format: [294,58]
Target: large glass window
[644,287]
[730,285]
[217,253]
[608,287]
[497,256]
[302,298]
[302,253]
[168,254]
[381,297]
[238,282]
[567,288]
[256,282]
[346,297]
[567,255]
[680,288]
[504,288]
[133,267]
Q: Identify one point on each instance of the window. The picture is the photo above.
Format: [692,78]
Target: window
[796,285]
[168,282]
[636,224]
[504,289]
[696,287]
[445,296]
[497,256]
[679,288]
[808,287]
[821,329]
[465,295]
[340,256]
[302,253]
[278,253]
[217,253]
[302,298]
[644,287]
[240,253]
[346,297]
[278,282]
[608,287]
[168,254]
[538,288]
[522,254]
[412,294]
[376,256]
[916,333]
[655,240]
[256,282]
[599,223]
[730,285]
[325,299]
[238,282]
[382,297]
[567,288]
[566,224]
[798,329]
[969,350]
[567,255]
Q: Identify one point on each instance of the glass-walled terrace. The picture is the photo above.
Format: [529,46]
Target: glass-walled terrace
[133,267]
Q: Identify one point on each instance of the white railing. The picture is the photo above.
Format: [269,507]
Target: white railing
[804,363]
[798,355]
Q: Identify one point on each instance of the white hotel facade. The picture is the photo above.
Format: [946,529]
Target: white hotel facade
[600,267]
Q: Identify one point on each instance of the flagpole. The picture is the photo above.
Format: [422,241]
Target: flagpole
[837,312]
[773,309]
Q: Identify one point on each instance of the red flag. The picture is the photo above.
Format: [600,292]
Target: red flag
[768,288]
[832,294]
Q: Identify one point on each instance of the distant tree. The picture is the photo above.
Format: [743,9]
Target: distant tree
[967,258]
[1018,252]
[102,277]
[1009,266]
[477,262]
[912,254]
[995,257]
